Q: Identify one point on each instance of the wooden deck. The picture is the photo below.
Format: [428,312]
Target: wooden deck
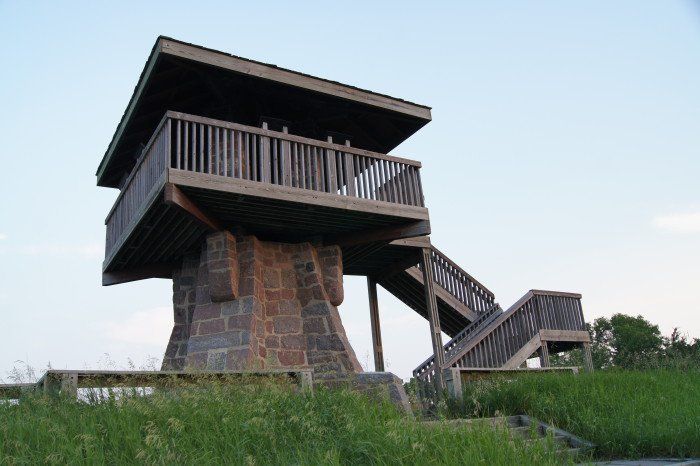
[272,184]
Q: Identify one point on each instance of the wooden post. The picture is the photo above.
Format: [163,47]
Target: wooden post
[587,357]
[286,160]
[433,317]
[266,164]
[544,355]
[349,172]
[69,385]
[376,330]
[453,382]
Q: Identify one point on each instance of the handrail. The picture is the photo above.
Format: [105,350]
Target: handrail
[232,150]
[463,336]
[289,137]
[144,176]
[139,161]
[456,281]
[536,310]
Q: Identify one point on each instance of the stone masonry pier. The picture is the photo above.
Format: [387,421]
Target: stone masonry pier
[242,303]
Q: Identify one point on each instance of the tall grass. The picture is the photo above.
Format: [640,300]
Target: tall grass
[626,413]
[246,423]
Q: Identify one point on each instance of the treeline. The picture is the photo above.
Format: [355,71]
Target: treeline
[635,343]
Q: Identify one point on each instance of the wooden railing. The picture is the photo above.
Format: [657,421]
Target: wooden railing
[465,288]
[462,338]
[510,331]
[148,169]
[203,145]
[232,150]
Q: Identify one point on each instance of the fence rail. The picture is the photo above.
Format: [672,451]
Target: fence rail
[203,145]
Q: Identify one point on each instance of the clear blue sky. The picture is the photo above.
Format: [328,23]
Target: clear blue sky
[563,153]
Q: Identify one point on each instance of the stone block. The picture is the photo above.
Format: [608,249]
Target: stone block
[209,327]
[286,324]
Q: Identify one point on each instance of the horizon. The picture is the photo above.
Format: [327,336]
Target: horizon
[572,132]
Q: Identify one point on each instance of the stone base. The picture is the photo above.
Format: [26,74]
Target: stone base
[242,303]
[375,384]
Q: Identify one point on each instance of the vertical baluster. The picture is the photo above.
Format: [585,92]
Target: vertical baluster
[332,169]
[224,152]
[349,172]
[420,189]
[372,179]
[254,156]
[340,164]
[177,144]
[295,165]
[239,155]
[302,154]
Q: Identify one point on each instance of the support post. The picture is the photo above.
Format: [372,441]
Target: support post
[266,163]
[453,382]
[433,317]
[587,357]
[376,330]
[544,355]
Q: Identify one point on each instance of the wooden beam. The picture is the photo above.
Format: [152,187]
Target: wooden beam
[299,196]
[544,355]
[565,335]
[523,353]
[376,330]
[421,227]
[175,196]
[587,357]
[417,242]
[141,273]
[433,317]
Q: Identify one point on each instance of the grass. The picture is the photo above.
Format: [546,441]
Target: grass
[628,414]
[246,423]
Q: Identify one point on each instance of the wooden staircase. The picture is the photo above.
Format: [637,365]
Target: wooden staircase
[483,335]
[461,299]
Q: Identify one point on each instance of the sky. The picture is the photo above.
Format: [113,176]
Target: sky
[563,154]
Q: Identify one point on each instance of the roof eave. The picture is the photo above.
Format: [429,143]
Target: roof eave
[260,70]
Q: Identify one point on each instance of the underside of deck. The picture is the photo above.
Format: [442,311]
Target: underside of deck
[165,230]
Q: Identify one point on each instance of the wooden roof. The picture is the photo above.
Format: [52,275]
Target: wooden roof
[189,78]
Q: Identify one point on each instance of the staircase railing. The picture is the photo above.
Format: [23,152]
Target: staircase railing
[463,337]
[509,331]
[465,288]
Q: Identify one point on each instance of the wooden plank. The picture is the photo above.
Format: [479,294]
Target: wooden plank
[140,273]
[376,329]
[433,317]
[565,335]
[523,353]
[387,233]
[175,196]
[284,193]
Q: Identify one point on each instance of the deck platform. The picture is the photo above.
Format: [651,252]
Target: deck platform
[197,175]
